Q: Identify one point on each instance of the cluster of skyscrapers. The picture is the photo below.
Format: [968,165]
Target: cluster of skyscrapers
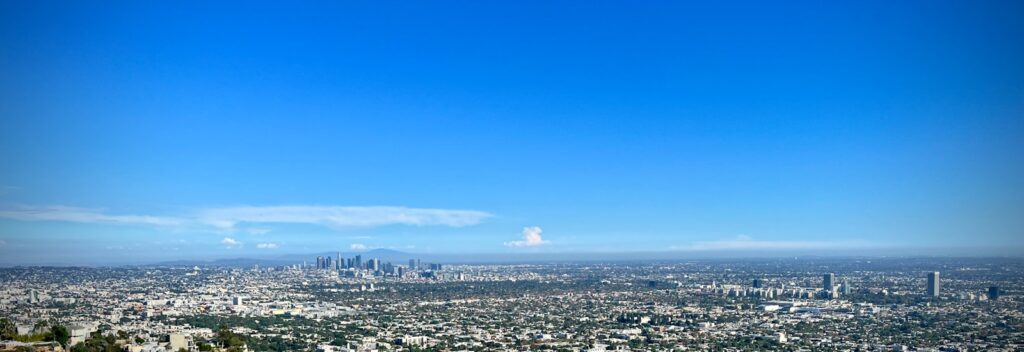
[933,289]
[831,289]
[373,264]
[339,263]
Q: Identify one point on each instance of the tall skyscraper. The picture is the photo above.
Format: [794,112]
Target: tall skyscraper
[339,263]
[319,262]
[757,283]
[933,284]
[328,262]
[359,262]
[993,292]
[412,264]
[829,282]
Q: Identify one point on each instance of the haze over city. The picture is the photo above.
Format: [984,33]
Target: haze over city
[153,132]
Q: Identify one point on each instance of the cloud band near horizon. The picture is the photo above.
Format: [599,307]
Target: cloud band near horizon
[82,215]
[341,216]
[227,218]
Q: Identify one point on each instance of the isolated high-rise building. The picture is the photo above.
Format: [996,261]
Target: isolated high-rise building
[993,292]
[829,282]
[933,284]
[757,283]
[412,264]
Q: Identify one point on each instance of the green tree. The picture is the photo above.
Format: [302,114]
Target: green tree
[60,334]
[98,344]
[229,339]
[7,329]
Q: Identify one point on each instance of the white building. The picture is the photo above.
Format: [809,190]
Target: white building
[180,341]
[80,332]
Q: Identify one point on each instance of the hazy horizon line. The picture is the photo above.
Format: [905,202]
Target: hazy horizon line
[534,257]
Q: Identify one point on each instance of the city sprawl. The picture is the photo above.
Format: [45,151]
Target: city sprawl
[867,304]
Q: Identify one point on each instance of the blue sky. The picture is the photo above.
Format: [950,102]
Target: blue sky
[140,130]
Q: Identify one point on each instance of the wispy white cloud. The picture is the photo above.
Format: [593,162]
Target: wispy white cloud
[531,238]
[357,247]
[268,245]
[225,219]
[230,242]
[747,243]
[340,216]
[85,215]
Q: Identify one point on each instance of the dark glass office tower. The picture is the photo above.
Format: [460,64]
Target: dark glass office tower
[993,292]
[933,284]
